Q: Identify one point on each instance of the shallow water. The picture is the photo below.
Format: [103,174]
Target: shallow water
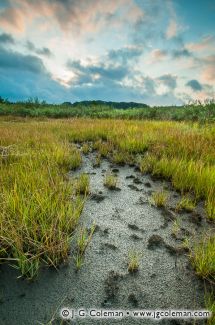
[125,222]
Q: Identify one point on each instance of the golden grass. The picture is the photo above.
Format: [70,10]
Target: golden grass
[82,184]
[159,198]
[133,261]
[203,257]
[110,180]
[186,204]
[37,215]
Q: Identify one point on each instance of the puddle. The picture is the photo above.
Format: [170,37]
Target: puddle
[125,221]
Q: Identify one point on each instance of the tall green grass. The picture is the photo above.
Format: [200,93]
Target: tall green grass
[37,215]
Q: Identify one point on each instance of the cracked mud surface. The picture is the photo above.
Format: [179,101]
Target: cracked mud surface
[125,221]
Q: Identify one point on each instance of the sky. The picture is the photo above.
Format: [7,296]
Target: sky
[158,52]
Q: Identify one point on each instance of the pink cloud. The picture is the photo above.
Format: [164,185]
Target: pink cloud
[206,43]
[157,55]
[75,16]
[208,71]
[12,19]
[172,29]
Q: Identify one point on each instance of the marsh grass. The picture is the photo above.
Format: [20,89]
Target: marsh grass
[159,198]
[110,180]
[82,184]
[210,205]
[97,161]
[38,216]
[85,148]
[210,305]
[133,261]
[203,257]
[186,204]
[175,228]
[121,158]
[83,240]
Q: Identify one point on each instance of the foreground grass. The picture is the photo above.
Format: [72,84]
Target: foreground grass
[37,214]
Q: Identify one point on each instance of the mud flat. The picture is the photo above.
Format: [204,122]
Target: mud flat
[125,221]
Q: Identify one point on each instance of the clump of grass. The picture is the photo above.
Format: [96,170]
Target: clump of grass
[186,244]
[159,198]
[83,241]
[104,148]
[185,204]
[175,228]
[203,257]
[37,214]
[82,184]
[119,158]
[97,161]
[133,262]
[147,163]
[210,305]
[85,148]
[210,206]
[110,180]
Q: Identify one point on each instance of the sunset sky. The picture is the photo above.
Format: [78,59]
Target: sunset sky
[159,52]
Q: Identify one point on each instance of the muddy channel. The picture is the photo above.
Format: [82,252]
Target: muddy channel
[125,221]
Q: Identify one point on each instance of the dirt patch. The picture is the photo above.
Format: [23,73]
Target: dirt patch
[137,181]
[133,300]
[109,245]
[133,227]
[142,200]
[147,184]
[135,237]
[111,287]
[196,218]
[156,241]
[115,170]
[97,197]
[134,187]
[130,177]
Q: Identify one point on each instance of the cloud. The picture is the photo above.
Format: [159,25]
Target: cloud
[172,29]
[206,43]
[113,77]
[158,55]
[181,53]
[24,76]
[6,38]
[168,80]
[194,85]
[75,16]
[94,72]
[12,19]
[41,51]
[17,61]
[114,66]
[126,53]
[208,70]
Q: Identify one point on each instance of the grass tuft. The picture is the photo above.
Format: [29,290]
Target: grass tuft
[82,184]
[203,257]
[185,204]
[110,180]
[160,198]
[133,262]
